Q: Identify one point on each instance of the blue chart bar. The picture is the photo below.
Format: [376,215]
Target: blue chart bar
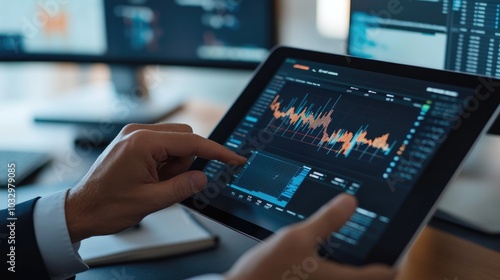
[270,178]
[251,119]
[295,183]
[235,141]
[232,142]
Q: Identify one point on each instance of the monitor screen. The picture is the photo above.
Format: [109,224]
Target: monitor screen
[183,32]
[456,35]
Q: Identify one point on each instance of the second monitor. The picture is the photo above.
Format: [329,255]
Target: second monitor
[454,35]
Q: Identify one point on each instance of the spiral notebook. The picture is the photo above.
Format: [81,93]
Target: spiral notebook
[168,232]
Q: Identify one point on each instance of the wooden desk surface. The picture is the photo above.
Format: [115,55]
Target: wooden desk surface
[439,255]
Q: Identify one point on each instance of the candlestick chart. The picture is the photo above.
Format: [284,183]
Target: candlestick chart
[314,124]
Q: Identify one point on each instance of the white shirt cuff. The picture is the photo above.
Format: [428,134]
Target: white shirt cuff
[208,277]
[61,258]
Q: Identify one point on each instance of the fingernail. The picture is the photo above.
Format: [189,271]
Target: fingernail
[243,159]
[198,181]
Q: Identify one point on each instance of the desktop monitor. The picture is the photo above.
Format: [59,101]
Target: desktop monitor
[456,35]
[128,34]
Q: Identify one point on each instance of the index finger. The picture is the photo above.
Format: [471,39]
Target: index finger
[168,144]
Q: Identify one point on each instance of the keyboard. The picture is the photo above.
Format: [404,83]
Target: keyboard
[27,163]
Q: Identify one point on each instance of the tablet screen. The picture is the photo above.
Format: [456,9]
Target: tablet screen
[319,130]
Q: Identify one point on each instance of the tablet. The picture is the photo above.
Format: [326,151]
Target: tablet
[314,125]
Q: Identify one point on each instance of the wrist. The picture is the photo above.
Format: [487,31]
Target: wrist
[75,219]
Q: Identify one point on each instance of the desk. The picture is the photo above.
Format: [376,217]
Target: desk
[439,255]
[435,255]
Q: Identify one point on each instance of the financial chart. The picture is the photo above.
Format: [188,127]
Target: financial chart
[318,130]
[340,128]
[272,179]
[309,126]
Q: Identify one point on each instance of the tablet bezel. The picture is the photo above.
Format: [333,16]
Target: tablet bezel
[423,198]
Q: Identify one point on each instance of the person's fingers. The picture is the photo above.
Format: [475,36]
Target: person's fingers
[372,272]
[173,167]
[172,127]
[162,127]
[178,188]
[168,144]
[331,217]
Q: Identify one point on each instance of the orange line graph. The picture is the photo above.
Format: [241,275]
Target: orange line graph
[349,140]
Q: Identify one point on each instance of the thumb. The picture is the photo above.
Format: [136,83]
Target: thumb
[182,186]
[331,217]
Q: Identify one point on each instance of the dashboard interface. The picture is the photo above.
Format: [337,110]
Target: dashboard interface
[457,35]
[319,130]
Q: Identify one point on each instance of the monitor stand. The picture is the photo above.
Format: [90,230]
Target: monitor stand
[473,199]
[133,96]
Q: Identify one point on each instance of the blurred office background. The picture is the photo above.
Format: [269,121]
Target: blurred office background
[319,25]
[27,86]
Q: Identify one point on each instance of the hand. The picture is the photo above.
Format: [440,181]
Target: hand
[142,171]
[291,253]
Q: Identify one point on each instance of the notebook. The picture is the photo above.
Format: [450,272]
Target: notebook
[168,232]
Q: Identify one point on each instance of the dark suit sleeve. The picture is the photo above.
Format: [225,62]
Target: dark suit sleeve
[28,263]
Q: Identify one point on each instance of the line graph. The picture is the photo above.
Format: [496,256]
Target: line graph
[268,177]
[306,122]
